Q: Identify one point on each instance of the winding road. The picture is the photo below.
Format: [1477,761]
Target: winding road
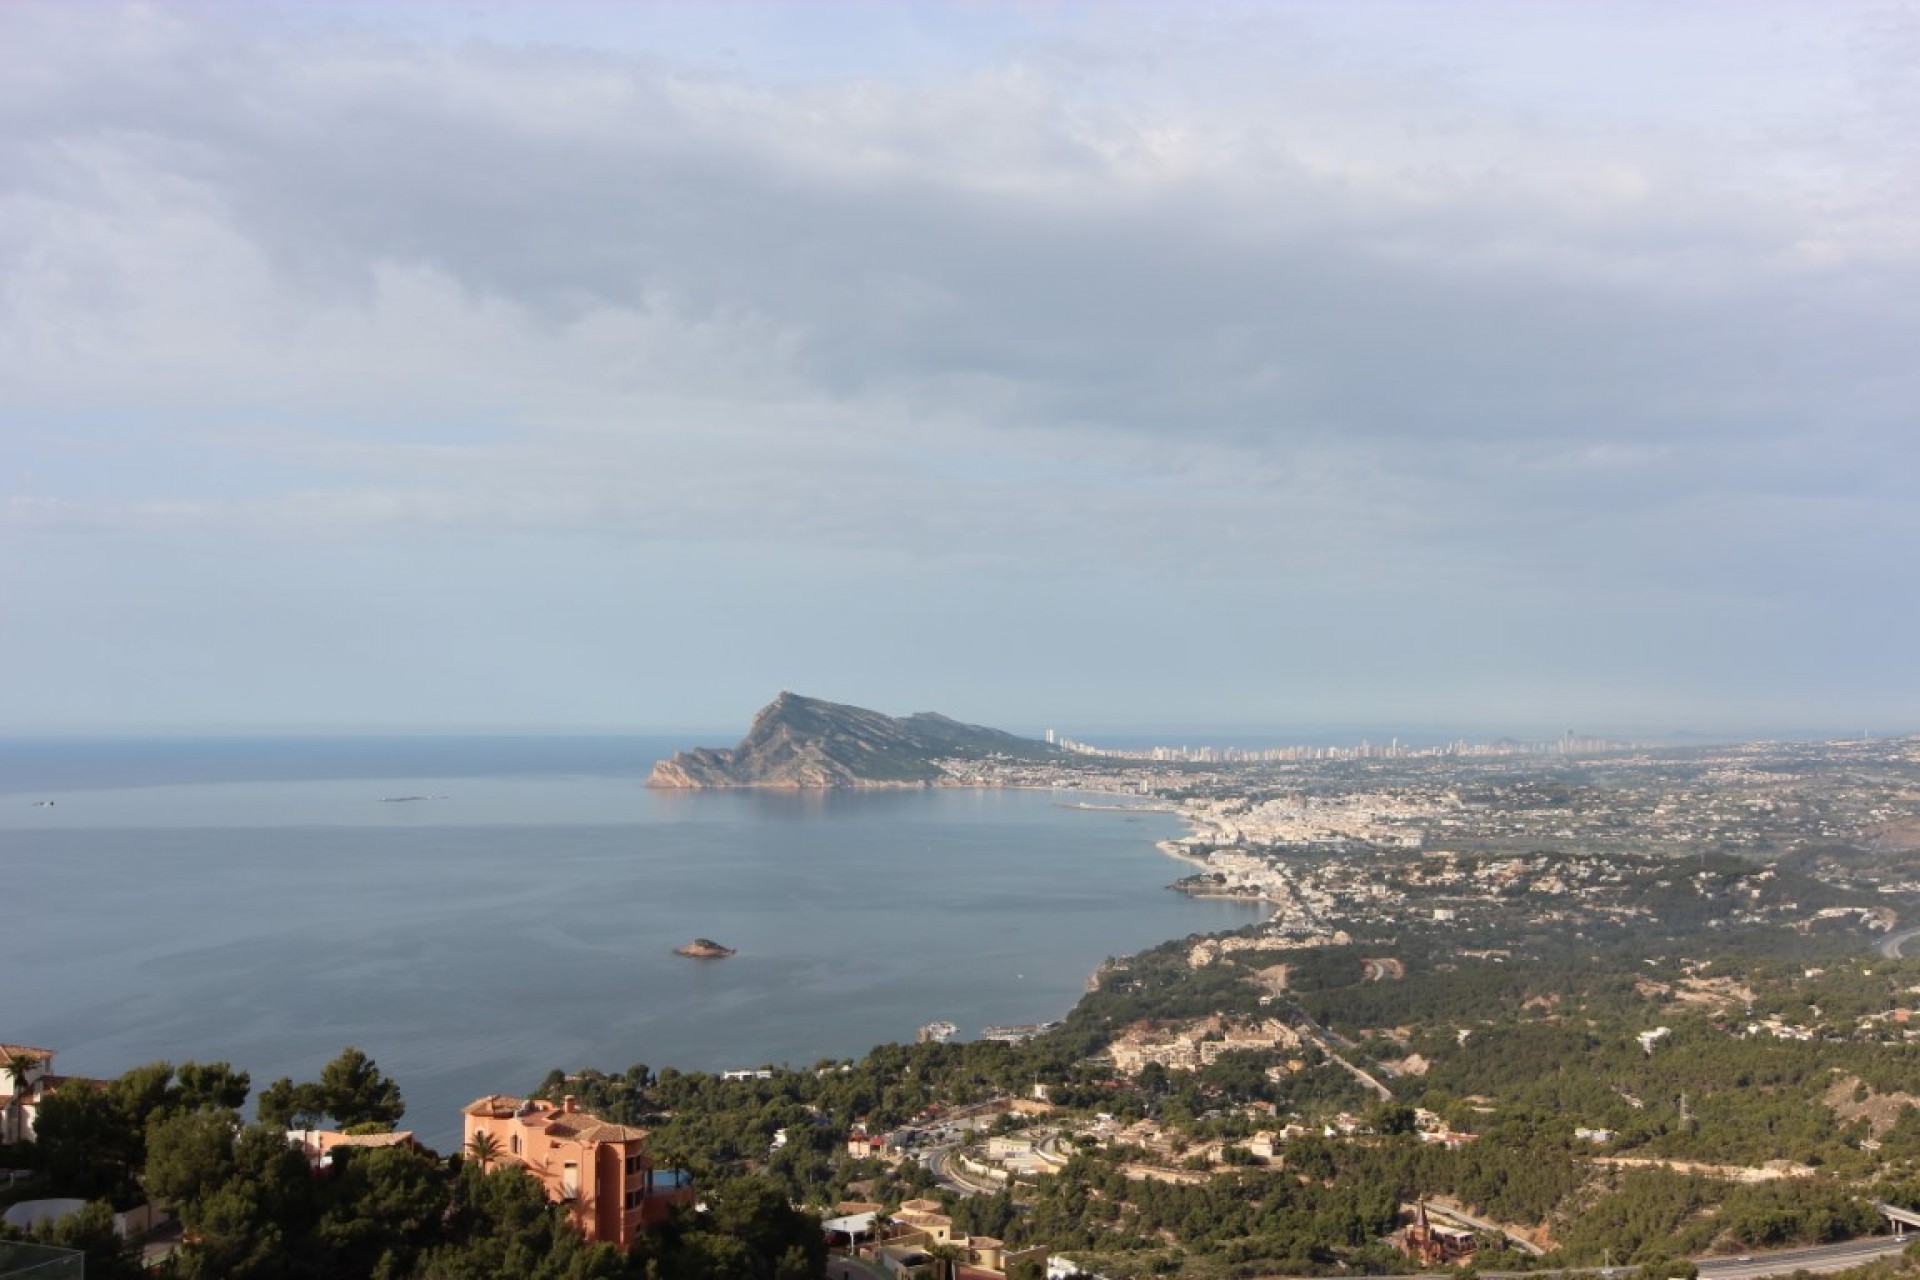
[1893,945]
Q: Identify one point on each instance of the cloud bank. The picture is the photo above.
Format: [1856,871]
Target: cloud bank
[1129,365]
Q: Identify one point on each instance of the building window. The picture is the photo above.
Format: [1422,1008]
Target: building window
[516,1144]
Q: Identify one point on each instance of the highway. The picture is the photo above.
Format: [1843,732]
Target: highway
[1894,944]
[1820,1258]
[940,1162]
[1826,1257]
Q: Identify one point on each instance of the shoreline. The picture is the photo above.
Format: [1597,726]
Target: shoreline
[1168,847]
[443,1066]
[1173,850]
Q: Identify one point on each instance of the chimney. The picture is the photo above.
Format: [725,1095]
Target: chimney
[568,1105]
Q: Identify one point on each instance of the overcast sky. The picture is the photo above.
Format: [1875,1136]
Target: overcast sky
[483,365]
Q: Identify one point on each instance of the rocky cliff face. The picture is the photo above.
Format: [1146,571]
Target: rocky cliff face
[806,744]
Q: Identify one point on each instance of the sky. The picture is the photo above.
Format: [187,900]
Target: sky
[606,367]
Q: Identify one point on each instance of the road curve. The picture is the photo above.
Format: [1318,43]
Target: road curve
[941,1164]
[1826,1257]
[1894,944]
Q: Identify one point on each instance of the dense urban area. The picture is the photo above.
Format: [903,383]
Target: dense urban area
[1578,1007]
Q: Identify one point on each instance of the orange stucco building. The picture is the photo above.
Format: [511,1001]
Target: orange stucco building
[601,1172]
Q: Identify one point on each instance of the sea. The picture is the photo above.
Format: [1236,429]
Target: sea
[473,912]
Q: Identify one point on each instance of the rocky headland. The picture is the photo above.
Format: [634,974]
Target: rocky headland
[805,744]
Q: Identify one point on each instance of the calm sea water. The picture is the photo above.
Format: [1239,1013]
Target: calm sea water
[473,912]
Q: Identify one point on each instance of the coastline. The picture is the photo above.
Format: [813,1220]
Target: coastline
[637,871]
[1170,848]
[1173,850]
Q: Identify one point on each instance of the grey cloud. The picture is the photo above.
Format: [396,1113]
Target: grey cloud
[1277,328]
[1244,301]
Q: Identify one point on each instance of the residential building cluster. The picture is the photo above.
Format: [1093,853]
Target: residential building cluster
[1190,1046]
[905,1242]
[1565,746]
[1750,799]
[602,1173]
[1320,901]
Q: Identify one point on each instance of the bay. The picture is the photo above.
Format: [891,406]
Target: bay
[475,912]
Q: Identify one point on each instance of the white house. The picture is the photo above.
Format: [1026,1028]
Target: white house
[26,1077]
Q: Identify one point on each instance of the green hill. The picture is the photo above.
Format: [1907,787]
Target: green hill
[807,744]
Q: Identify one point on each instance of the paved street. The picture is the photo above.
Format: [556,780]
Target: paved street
[839,1268]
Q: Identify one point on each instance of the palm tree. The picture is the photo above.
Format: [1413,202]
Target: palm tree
[946,1260]
[18,1063]
[484,1148]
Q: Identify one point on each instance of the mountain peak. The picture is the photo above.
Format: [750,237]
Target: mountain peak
[803,743]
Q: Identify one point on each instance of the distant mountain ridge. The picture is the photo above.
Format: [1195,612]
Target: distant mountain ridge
[807,744]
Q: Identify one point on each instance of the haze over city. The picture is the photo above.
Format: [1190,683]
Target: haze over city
[583,366]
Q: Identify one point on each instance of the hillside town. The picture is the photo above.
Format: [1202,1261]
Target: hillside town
[1470,962]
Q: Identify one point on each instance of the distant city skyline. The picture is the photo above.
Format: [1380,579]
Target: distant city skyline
[1114,367]
[1194,741]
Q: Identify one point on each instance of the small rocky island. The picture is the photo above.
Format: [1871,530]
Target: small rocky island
[703,949]
[805,744]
